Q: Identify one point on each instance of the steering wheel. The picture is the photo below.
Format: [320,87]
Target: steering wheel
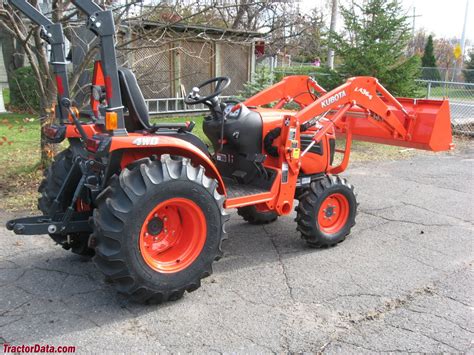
[193,98]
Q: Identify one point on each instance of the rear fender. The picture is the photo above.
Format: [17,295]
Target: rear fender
[135,146]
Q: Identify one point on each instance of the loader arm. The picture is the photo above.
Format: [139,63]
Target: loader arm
[363,109]
[377,104]
[301,89]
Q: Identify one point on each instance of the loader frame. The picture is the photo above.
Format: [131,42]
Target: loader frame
[52,33]
[101,23]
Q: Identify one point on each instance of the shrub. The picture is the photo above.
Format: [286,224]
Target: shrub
[261,79]
[469,71]
[327,78]
[373,43]
[24,93]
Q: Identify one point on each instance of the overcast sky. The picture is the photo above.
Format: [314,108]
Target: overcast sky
[441,17]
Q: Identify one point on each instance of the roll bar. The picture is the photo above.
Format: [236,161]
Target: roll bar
[53,34]
[101,23]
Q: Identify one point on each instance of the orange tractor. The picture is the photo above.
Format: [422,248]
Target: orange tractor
[149,200]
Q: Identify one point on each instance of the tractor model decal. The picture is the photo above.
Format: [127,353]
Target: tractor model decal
[333,98]
[145,141]
[364,92]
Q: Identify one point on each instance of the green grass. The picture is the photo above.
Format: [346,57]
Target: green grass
[20,156]
[19,159]
[365,151]
[6,96]
[460,93]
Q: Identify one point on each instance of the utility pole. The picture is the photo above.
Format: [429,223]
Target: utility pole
[413,28]
[332,28]
[413,21]
[463,36]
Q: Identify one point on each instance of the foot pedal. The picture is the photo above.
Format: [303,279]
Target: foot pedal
[257,158]
[239,176]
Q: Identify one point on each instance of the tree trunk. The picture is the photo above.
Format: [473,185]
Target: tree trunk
[47,118]
[240,14]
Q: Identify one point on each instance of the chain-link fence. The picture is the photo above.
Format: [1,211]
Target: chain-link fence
[460,93]
[447,74]
[165,73]
[426,73]
[461,101]
[153,69]
[234,61]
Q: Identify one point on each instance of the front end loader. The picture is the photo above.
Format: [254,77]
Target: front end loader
[149,200]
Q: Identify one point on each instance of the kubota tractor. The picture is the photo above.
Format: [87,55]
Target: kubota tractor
[149,200]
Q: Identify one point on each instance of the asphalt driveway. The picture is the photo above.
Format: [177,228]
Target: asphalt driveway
[401,282]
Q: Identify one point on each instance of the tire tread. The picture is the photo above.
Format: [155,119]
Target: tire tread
[118,199]
[305,211]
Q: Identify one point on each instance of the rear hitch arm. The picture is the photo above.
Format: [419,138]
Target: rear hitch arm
[87,168]
[46,225]
[56,202]
[70,221]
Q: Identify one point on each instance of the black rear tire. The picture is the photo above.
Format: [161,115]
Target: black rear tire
[122,209]
[309,209]
[253,216]
[49,188]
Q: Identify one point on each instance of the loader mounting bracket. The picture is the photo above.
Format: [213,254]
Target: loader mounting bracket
[53,34]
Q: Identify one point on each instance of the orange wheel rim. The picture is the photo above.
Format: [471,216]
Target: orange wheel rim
[173,235]
[333,213]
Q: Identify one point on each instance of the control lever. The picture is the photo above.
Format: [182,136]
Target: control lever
[66,103]
[236,107]
[224,118]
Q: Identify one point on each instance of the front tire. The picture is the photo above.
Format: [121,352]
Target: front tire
[158,227]
[326,211]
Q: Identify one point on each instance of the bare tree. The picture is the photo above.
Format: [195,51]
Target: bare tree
[418,42]
[29,39]
[278,20]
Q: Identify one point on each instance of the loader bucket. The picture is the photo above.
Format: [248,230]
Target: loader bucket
[429,130]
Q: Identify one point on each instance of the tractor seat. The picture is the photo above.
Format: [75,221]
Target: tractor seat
[138,118]
[132,98]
